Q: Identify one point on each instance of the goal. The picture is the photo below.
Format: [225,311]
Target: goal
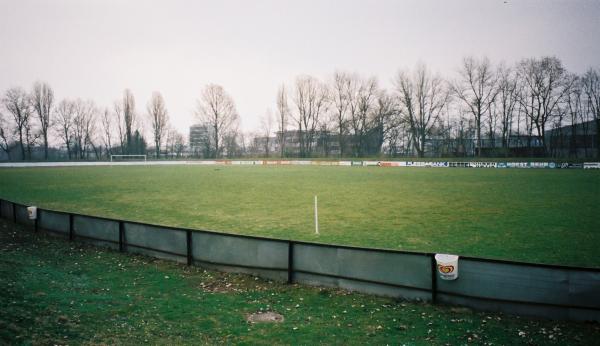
[114,158]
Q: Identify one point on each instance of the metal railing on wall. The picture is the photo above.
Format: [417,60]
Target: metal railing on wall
[554,291]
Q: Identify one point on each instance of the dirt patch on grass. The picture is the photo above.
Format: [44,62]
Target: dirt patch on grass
[216,282]
[220,287]
[265,317]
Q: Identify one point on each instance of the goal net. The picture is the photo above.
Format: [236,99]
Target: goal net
[121,158]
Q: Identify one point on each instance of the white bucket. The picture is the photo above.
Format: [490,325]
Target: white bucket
[447,266]
[32,213]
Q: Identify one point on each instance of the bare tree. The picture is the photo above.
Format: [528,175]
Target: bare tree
[159,119]
[385,118]
[79,122]
[169,140]
[178,144]
[362,96]
[506,101]
[323,143]
[463,132]
[266,124]
[118,112]
[575,108]
[586,119]
[216,109]
[65,114]
[174,142]
[231,142]
[90,131]
[477,89]
[422,98]
[544,86]
[310,98]
[83,126]
[16,101]
[5,136]
[283,112]
[591,85]
[394,144]
[492,124]
[42,98]
[340,99]
[106,121]
[243,140]
[31,137]
[125,112]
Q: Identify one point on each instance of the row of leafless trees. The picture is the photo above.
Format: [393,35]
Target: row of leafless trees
[23,106]
[84,130]
[485,107]
[484,102]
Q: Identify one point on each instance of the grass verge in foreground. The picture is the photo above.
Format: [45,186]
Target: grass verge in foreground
[57,292]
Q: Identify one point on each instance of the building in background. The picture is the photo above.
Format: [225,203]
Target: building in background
[200,141]
[578,140]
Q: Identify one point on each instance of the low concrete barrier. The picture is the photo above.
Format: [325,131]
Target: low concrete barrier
[550,291]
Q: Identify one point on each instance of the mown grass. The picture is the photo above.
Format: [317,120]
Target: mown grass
[535,215]
[57,292]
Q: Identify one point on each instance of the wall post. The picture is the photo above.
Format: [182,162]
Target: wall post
[121,236]
[71,234]
[190,258]
[290,262]
[433,279]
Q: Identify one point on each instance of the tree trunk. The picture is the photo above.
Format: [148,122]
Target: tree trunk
[543,138]
[216,142]
[22,146]
[598,137]
[281,143]
[573,141]
[46,145]
[340,140]
[478,125]
[422,145]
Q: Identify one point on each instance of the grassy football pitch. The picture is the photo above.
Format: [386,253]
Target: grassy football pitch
[534,215]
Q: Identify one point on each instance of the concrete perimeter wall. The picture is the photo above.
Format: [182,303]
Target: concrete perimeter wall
[548,291]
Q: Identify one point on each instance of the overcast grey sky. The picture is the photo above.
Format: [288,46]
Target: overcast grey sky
[95,49]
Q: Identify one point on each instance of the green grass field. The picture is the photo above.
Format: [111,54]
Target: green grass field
[546,216]
[59,293]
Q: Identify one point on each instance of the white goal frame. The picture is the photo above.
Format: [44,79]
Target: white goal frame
[111,156]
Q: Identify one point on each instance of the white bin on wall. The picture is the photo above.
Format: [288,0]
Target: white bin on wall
[32,213]
[447,266]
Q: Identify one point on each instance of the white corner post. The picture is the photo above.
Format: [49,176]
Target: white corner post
[316,217]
